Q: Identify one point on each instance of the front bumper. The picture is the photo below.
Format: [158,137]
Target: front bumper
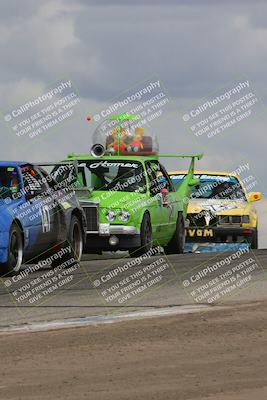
[128,237]
[108,230]
[219,234]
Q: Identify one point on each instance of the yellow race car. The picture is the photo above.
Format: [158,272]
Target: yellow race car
[220,210]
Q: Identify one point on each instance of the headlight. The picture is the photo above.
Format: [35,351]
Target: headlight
[236,219]
[111,215]
[245,219]
[124,216]
[224,219]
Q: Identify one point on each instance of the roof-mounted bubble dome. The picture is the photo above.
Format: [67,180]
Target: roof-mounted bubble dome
[125,134]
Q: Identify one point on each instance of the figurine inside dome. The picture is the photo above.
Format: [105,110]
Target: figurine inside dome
[124,134]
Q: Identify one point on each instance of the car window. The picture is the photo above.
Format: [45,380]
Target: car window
[158,177]
[177,180]
[220,187]
[64,175]
[9,182]
[163,173]
[219,190]
[34,182]
[48,179]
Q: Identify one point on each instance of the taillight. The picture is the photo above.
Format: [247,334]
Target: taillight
[248,231]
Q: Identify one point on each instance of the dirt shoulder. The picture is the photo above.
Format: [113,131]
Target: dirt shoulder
[218,355]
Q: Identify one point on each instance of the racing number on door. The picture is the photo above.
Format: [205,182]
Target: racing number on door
[46,219]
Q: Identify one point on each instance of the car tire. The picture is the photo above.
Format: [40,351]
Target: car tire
[177,243]
[75,240]
[254,240]
[145,238]
[15,252]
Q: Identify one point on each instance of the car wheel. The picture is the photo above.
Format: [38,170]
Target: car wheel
[75,241]
[254,240]
[15,252]
[76,238]
[145,237]
[177,243]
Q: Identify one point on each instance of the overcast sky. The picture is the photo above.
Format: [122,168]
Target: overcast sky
[105,47]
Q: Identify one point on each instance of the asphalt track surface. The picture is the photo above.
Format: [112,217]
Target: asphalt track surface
[94,289]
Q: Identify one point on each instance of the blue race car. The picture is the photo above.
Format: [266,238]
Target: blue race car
[37,216]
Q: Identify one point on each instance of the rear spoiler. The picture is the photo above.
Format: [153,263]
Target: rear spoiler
[198,156]
[192,156]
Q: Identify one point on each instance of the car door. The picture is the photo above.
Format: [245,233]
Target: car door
[155,201]
[165,192]
[39,210]
[62,181]
[60,201]
[172,195]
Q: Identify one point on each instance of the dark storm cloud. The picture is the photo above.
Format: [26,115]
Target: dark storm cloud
[193,48]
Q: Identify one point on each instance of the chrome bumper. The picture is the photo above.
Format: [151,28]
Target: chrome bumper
[107,230]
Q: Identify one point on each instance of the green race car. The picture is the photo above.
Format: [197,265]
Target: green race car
[133,202]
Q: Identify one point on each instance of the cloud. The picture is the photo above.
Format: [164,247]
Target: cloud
[194,48]
[106,47]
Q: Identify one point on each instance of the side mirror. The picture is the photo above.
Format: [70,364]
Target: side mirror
[194,182]
[254,196]
[165,197]
[164,191]
[83,192]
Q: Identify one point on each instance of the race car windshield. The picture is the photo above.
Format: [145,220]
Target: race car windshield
[9,182]
[119,175]
[214,187]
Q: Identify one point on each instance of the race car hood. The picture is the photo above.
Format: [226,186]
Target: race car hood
[116,199]
[219,207]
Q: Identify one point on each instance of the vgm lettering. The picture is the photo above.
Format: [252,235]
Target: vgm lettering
[200,232]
